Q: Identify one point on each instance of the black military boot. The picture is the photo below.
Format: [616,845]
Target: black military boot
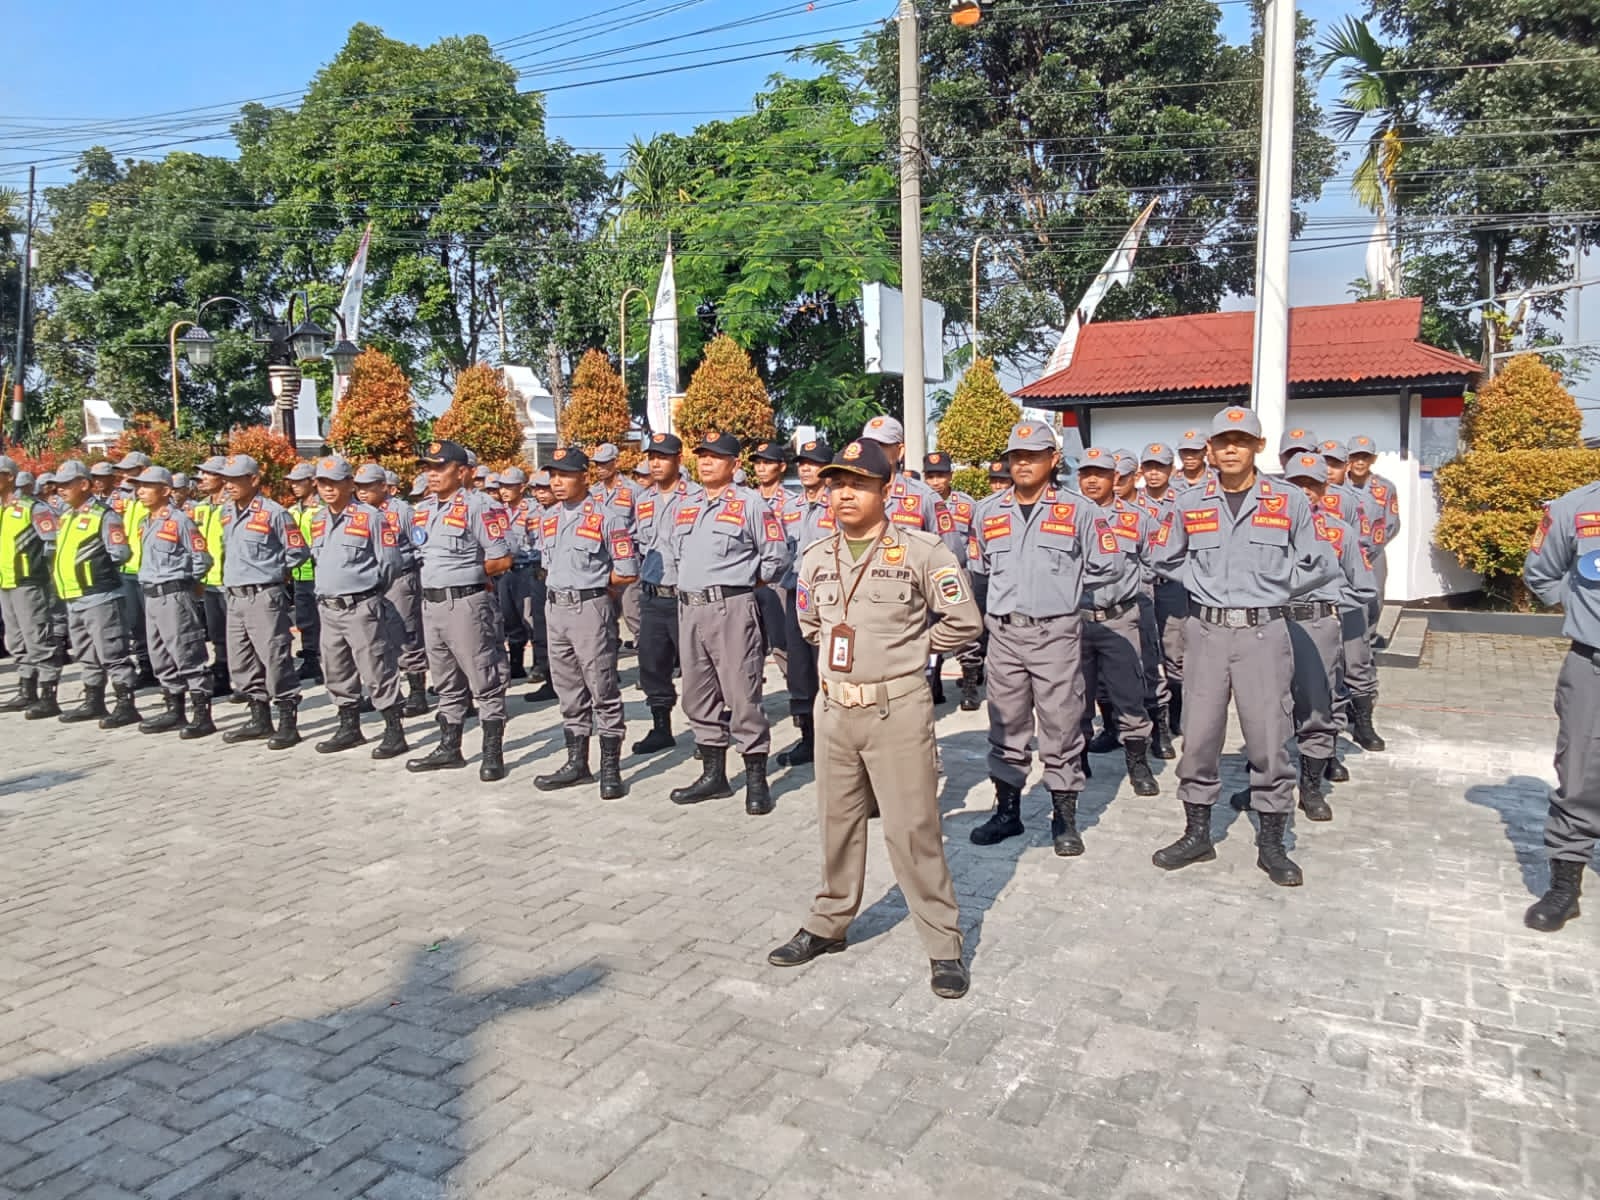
[713,781]
[124,712]
[1195,844]
[146,677]
[257,727]
[46,705]
[804,750]
[92,708]
[544,692]
[1107,739]
[172,718]
[221,684]
[1312,802]
[1560,904]
[611,785]
[1161,734]
[516,651]
[1064,824]
[573,772]
[1271,857]
[1175,707]
[971,680]
[660,735]
[200,723]
[288,731]
[416,702]
[1240,800]
[1006,820]
[1135,752]
[348,735]
[1361,731]
[935,676]
[1337,772]
[492,760]
[757,795]
[394,742]
[27,696]
[446,756]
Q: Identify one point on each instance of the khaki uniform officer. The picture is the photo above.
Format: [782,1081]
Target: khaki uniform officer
[172,563]
[403,610]
[302,480]
[655,527]
[588,554]
[91,546]
[358,556]
[726,544]
[27,542]
[262,546]
[463,549]
[876,600]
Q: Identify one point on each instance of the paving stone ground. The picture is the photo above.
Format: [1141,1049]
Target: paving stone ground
[228,972]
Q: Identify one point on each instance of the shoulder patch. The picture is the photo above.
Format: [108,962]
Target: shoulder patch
[951,586]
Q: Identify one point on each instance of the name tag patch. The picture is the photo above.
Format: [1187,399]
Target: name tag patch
[1201,520]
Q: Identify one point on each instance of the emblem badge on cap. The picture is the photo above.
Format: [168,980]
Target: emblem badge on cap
[1024,430]
[1236,414]
[875,423]
[852,452]
[659,437]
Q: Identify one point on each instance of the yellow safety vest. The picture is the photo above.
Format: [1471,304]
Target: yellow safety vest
[133,514]
[22,553]
[303,514]
[208,517]
[83,565]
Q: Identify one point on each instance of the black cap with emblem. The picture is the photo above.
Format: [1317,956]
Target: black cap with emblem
[568,459]
[439,454]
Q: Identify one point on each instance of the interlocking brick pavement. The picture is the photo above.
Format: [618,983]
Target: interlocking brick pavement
[229,972]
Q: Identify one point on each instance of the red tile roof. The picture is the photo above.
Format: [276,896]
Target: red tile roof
[1328,343]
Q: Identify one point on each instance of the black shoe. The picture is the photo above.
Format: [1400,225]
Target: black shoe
[971,680]
[1064,824]
[27,696]
[93,707]
[611,785]
[1107,739]
[660,736]
[257,727]
[146,677]
[757,795]
[367,706]
[1006,820]
[123,712]
[1084,767]
[1312,802]
[1271,857]
[172,717]
[200,723]
[238,698]
[348,735]
[545,691]
[1195,844]
[803,947]
[803,751]
[936,684]
[492,760]
[446,756]
[47,705]
[394,742]
[1135,752]
[1240,800]
[515,652]
[310,670]
[1560,903]
[288,732]
[949,978]
[1161,734]
[573,772]
[416,703]
[1361,731]
[713,782]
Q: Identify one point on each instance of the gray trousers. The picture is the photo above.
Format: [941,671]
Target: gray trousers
[260,646]
[1358,671]
[658,649]
[1380,572]
[1172,610]
[402,611]
[770,600]
[175,629]
[720,645]
[100,640]
[1316,645]
[217,621]
[583,666]
[1035,676]
[133,617]
[29,635]
[467,655]
[1155,683]
[357,647]
[307,619]
[1112,658]
[1574,821]
[631,611]
[1255,667]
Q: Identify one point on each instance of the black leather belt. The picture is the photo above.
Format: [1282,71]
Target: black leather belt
[1109,613]
[712,595]
[662,591]
[345,603]
[1313,610]
[1592,653]
[571,597]
[1239,618]
[254,589]
[169,588]
[1019,620]
[439,595]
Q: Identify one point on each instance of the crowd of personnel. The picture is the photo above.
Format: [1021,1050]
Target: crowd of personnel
[1166,583]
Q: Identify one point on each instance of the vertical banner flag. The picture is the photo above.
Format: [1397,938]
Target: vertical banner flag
[355,280]
[1118,269]
[662,370]
[1383,277]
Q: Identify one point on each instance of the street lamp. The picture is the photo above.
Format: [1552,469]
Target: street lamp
[198,346]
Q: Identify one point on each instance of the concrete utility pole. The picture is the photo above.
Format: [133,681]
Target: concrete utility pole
[1270,374]
[916,402]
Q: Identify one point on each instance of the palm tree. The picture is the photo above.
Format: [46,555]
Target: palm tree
[1370,92]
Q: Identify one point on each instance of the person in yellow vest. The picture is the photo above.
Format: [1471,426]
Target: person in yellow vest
[27,539]
[91,546]
[303,483]
[126,504]
[207,516]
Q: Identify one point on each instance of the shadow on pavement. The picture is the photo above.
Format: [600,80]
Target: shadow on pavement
[1521,803]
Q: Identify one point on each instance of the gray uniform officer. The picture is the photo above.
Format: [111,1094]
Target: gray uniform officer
[807,519]
[1563,567]
[402,611]
[302,480]
[27,542]
[1157,463]
[655,513]
[463,549]
[618,494]
[515,588]
[1244,547]
[358,556]
[1380,502]
[173,560]
[588,554]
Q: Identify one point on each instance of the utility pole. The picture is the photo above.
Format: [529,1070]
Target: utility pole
[19,364]
[1275,187]
[916,403]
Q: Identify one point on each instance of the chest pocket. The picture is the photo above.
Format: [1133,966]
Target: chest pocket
[1275,536]
[826,595]
[888,591]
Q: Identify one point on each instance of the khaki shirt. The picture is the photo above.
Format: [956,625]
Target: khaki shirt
[910,576]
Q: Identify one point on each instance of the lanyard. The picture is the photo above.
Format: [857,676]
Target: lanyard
[861,572]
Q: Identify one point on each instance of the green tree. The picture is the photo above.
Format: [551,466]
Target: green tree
[980,417]
[1373,97]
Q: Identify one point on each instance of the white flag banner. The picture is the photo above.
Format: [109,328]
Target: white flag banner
[1382,276]
[1118,269]
[662,369]
[355,279]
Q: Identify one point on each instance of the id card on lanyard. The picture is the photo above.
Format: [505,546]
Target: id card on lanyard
[842,637]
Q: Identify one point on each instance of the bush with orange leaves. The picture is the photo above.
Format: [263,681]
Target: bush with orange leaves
[727,395]
[596,410]
[148,434]
[272,450]
[375,422]
[482,417]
